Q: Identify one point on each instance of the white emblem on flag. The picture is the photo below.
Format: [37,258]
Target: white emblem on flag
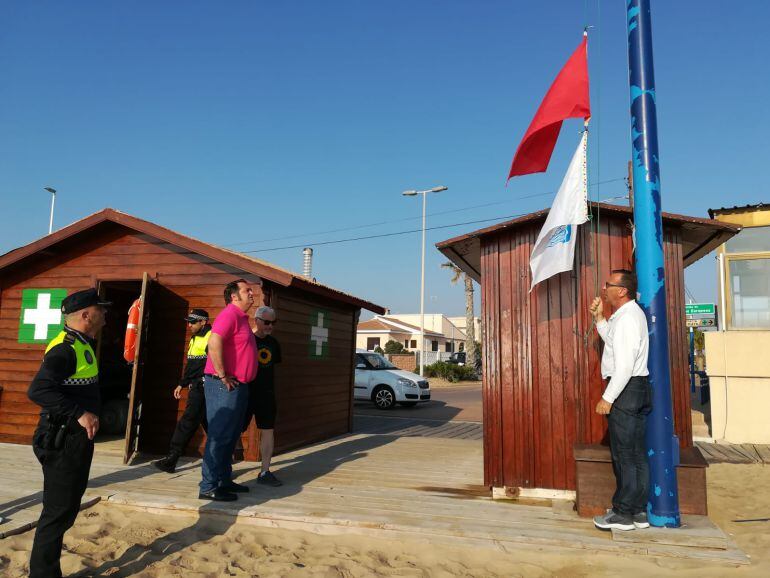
[554,250]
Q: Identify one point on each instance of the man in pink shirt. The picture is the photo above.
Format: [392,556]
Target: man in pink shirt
[232,364]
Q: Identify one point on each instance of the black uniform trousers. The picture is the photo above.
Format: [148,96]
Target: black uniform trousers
[65,476]
[193,416]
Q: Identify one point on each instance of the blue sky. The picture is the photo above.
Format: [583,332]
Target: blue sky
[257,125]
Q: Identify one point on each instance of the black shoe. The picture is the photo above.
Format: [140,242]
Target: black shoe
[167,464]
[217,495]
[234,488]
[268,479]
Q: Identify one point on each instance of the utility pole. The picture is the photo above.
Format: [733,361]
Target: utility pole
[662,444]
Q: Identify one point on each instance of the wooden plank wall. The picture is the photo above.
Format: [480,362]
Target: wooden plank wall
[542,355]
[313,394]
[186,280]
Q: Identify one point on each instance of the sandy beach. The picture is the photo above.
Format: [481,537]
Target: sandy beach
[110,540]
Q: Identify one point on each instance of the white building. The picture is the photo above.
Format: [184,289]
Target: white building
[441,335]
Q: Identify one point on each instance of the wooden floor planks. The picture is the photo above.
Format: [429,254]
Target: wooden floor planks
[718,453]
[412,485]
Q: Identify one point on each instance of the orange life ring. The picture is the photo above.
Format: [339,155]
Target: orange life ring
[132,330]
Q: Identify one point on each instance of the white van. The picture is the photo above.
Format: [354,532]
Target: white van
[378,380]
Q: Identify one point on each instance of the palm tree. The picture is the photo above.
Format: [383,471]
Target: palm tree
[470,327]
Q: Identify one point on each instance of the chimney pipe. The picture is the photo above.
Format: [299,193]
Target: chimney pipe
[307,263]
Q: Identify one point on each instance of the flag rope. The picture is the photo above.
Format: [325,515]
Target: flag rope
[596,228]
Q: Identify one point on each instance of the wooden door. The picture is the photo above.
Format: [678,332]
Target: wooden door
[134,423]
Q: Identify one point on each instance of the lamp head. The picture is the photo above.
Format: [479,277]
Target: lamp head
[50,189]
[438,189]
[409,193]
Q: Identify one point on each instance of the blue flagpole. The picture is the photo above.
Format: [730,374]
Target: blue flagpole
[662,444]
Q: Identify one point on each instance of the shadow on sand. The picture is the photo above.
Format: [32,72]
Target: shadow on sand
[295,474]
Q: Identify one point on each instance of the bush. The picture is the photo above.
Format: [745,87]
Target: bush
[378,349]
[393,346]
[450,371]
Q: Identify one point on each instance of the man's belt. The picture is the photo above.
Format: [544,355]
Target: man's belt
[212,376]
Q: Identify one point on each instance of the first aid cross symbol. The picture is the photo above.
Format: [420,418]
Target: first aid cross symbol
[42,316]
[319,334]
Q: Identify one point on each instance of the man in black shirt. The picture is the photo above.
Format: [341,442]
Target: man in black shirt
[195,410]
[67,389]
[262,392]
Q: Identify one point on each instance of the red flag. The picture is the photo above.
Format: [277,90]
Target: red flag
[567,98]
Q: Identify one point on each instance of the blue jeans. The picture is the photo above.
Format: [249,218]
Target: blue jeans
[627,423]
[225,411]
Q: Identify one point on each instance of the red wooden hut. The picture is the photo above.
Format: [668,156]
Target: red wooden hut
[126,257]
[541,355]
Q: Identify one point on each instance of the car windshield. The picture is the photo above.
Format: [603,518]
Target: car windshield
[377,361]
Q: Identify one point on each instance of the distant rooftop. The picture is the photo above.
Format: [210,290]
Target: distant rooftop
[721,210]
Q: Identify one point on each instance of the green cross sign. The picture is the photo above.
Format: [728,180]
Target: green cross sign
[319,333]
[41,318]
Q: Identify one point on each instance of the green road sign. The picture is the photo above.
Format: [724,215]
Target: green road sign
[41,318]
[319,333]
[700,309]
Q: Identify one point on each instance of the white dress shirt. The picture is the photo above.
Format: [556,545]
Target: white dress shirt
[626,345]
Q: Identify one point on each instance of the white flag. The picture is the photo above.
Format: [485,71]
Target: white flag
[554,250]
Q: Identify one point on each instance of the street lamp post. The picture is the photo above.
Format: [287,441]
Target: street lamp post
[422,274]
[53,201]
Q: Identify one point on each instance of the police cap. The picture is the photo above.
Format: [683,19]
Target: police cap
[82,299]
[197,315]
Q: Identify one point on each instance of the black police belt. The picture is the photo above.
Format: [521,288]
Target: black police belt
[58,426]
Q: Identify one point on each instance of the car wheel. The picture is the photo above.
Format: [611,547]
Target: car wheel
[408,403]
[383,397]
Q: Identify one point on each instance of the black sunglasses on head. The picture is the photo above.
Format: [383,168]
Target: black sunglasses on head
[267,321]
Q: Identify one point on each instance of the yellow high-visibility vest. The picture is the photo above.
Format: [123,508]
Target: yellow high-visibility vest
[198,345]
[86,367]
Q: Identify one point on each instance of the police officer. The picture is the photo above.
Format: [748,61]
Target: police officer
[195,410]
[67,389]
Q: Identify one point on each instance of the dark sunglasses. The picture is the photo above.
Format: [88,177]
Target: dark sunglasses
[267,321]
[614,285]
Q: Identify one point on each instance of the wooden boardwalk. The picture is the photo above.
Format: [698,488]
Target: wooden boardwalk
[402,487]
[430,428]
[720,453]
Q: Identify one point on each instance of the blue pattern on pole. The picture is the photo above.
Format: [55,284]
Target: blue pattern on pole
[663,505]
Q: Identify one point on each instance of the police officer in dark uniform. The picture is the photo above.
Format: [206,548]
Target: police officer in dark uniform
[67,389]
[195,410]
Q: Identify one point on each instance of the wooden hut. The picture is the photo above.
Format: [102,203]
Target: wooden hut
[541,355]
[126,257]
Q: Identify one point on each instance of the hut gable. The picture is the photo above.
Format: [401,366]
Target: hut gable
[75,233]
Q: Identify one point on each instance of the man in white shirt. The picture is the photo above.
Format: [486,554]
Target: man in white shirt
[626,400]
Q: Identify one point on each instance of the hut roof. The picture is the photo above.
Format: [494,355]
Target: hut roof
[699,236]
[111,218]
